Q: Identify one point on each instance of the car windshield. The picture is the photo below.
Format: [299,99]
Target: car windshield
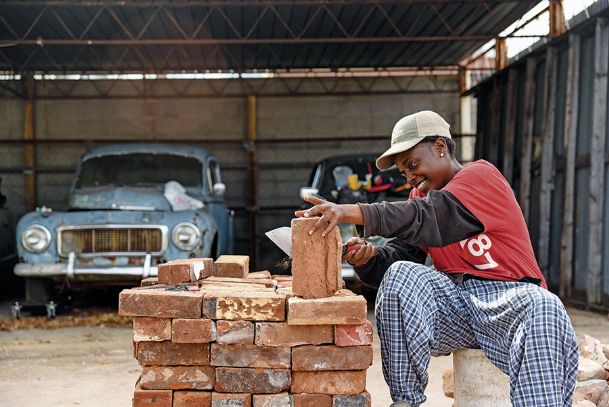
[140,169]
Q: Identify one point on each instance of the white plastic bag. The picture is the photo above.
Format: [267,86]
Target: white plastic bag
[179,200]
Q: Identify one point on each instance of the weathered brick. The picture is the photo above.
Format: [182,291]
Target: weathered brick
[330,357]
[232,266]
[272,400]
[160,303]
[193,330]
[316,260]
[231,400]
[241,355]
[237,287]
[353,335]
[234,332]
[340,382]
[358,400]
[151,398]
[150,281]
[348,310]
[185,270]
[177,377]
[267,282]
[151,329]
[282,334]
[172,353]
[191,399]
[260,274]
[282,277]
[249,306]
[252,380]
[287,291]
[285,284]
[311,400]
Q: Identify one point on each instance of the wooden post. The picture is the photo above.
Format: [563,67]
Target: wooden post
[500,53]
[510,125]
[253,177]
[557,18]
[597,163]
[571,110]
[527,139]
[29,136]
[547,162]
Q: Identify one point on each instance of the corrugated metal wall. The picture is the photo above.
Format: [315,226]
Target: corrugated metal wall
[543,122]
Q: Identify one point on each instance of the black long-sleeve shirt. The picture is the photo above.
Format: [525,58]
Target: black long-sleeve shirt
[437,220]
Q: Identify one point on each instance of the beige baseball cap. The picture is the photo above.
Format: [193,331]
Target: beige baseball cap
[409,131]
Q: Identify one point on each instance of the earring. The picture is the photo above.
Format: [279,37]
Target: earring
[441,154]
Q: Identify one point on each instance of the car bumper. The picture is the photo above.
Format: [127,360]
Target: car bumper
[71,271]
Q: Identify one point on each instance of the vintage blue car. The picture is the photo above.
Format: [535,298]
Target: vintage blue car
[131,207]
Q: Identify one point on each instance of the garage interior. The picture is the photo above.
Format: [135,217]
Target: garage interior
[271,87]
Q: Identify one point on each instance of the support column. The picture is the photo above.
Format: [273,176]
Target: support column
[557,18]
[527,139]
[510,126]
[253,177]
[597,163]
[500,53]
[29,136]
[465,148]
[571,109]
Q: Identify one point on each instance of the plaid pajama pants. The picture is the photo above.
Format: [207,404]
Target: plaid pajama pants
[522,328]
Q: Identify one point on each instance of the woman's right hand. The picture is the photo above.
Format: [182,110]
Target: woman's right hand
[362,255]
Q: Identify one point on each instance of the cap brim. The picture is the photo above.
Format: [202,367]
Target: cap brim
[387,159]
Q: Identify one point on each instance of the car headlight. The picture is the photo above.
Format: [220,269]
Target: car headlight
[185,236]
[36,238]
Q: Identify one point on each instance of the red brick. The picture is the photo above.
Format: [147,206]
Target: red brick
[316,260]
[341,382]
[231,400]
[267,282]
[241,355]
[330,357]
[353,335]
[282,277]
[285,284]
[151,329]
[252,380]
[171,353]
[185,270]
[260,274]
[287,291]
[152,398]
[272,400]
[234,332]
[193,330]
[191,399]
[249,306]
[150,281]
[282,334]
[207,285]
[348,310]
[160,303]
[232,266]
[177,377]
[358,400]
[311,400]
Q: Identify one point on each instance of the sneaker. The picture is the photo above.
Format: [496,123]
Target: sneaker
[400,404]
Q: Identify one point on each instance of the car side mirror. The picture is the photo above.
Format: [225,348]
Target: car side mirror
[308,191]
[219,188]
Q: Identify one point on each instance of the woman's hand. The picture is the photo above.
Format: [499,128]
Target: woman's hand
[331,214]
[362,255]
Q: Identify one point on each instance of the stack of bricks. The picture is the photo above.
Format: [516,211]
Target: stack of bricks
[212,334]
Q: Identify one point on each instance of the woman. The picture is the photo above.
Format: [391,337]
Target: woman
[486,290]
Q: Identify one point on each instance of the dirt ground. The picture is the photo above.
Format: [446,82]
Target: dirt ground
[94,367]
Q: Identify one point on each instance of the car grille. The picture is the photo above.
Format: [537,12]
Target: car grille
[126,240]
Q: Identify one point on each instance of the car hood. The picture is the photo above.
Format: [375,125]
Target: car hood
[123,198]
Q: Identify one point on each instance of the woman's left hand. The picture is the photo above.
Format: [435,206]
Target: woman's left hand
[331,214]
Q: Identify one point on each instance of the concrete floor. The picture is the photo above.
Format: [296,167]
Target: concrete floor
[94,367]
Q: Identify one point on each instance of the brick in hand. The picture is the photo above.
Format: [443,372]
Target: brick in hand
[316,260]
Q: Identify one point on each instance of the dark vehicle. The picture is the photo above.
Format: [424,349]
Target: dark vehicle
[354,178]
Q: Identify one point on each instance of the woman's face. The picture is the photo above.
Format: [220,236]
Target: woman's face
[424,167]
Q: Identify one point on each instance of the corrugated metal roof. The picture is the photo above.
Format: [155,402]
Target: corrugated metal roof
[70,35]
